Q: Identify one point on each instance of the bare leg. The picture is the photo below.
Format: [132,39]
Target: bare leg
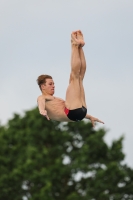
[83,63]
[73,94]
[83,67]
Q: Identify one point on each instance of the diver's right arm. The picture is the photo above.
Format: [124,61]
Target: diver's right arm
[41,106]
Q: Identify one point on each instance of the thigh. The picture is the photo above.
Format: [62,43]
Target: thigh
[82,94]
[73,95]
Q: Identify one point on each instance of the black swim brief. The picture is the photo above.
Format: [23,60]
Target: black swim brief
[76,114]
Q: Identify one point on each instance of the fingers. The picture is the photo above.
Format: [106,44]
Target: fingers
[93,123]
[47,117]
[98,120]
[44,113]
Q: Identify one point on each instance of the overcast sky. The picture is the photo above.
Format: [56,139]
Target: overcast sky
[35,40]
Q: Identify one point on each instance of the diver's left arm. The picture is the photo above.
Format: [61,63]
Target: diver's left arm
[93,119]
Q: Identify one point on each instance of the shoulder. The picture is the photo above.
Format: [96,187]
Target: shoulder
[41,97]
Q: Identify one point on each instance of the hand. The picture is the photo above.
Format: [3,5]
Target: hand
[44,113]
[93,120]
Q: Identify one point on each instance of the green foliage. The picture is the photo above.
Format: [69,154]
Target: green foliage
[33,152]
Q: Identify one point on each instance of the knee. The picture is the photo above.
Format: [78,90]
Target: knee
[75,75]
[81,78]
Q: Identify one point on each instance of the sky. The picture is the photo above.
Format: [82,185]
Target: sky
[35,39]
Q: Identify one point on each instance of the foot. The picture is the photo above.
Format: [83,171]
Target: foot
[80,38]
[74,39]
[77,38]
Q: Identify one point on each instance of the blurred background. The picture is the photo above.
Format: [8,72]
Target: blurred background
[35,40]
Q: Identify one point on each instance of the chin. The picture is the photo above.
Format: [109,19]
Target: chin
[52,93]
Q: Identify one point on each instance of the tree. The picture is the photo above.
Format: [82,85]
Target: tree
[42,160]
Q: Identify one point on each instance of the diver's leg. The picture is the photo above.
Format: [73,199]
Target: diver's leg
[73,93]
[82,73]
[81,54]
[83,67]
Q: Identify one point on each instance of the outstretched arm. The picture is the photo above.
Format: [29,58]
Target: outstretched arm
[93,119]
[41,106]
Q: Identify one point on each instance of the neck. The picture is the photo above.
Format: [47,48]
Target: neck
[46,94]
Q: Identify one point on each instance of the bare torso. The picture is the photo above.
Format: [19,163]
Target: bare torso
[55,109]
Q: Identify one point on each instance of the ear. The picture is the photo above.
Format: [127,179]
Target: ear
[42,87]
